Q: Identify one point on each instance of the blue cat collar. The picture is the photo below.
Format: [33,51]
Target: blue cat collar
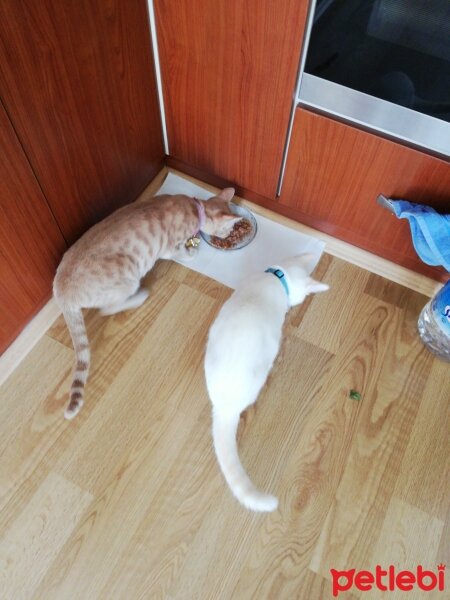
[280,276]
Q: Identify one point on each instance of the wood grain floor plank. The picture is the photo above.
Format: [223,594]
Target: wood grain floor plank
[358,481]
[223,538]
[207,286]
[37,535]
[336,307]
[443,554]
[282,413]
[134,457]
[143,391]
[391,292]
[321,456]
[389,406]
[112,340]
[319,273]
[156,553]
[315,587]
[409,537]
[33,434]
[426,465]
[114,518]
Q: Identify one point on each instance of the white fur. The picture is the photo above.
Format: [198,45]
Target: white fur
[243,343]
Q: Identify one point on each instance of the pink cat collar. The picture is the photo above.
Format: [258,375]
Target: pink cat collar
[201,215]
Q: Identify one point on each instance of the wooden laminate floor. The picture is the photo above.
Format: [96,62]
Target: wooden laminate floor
[127,502]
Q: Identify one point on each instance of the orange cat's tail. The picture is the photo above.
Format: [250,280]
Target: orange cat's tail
[224,436]
[75,323]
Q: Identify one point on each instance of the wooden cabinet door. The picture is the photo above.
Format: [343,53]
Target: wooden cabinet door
[31,244]
[77,81]
[229,71]
[334,174]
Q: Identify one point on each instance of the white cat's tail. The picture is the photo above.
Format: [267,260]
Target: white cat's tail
[75,323]
[224,437]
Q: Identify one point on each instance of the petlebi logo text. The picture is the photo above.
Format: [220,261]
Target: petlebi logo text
[388,579]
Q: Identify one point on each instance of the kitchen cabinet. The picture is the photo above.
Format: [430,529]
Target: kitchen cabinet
[31,243]
[229,71]
[335,172]
[83,131]
[80,134]
[77,81]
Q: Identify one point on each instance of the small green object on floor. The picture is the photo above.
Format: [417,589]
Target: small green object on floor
[354,395]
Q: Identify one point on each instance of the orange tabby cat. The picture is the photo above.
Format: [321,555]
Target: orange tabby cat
[104,268]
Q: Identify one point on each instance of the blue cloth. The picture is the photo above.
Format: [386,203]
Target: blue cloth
[430,231]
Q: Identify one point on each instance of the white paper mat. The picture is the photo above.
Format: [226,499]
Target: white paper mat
[273,243]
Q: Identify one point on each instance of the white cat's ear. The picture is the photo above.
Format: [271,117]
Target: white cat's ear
[305,261]
[306,258]
[227,194]
[314,287]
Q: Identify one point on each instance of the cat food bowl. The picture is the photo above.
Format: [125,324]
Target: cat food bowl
[242,234]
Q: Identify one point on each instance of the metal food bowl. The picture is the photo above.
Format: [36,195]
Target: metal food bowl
[245,213]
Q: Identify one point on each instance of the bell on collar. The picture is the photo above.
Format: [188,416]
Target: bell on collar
[193,242]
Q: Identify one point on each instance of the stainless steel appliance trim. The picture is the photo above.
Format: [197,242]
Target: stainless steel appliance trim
[303,53]
[385,117]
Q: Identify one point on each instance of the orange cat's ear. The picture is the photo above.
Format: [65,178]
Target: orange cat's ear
[227,194]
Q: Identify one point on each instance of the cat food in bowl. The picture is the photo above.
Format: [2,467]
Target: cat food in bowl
[241,235]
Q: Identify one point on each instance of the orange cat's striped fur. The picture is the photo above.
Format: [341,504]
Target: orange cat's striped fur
[104,268]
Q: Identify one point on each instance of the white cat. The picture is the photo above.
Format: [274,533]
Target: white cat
[243,343]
